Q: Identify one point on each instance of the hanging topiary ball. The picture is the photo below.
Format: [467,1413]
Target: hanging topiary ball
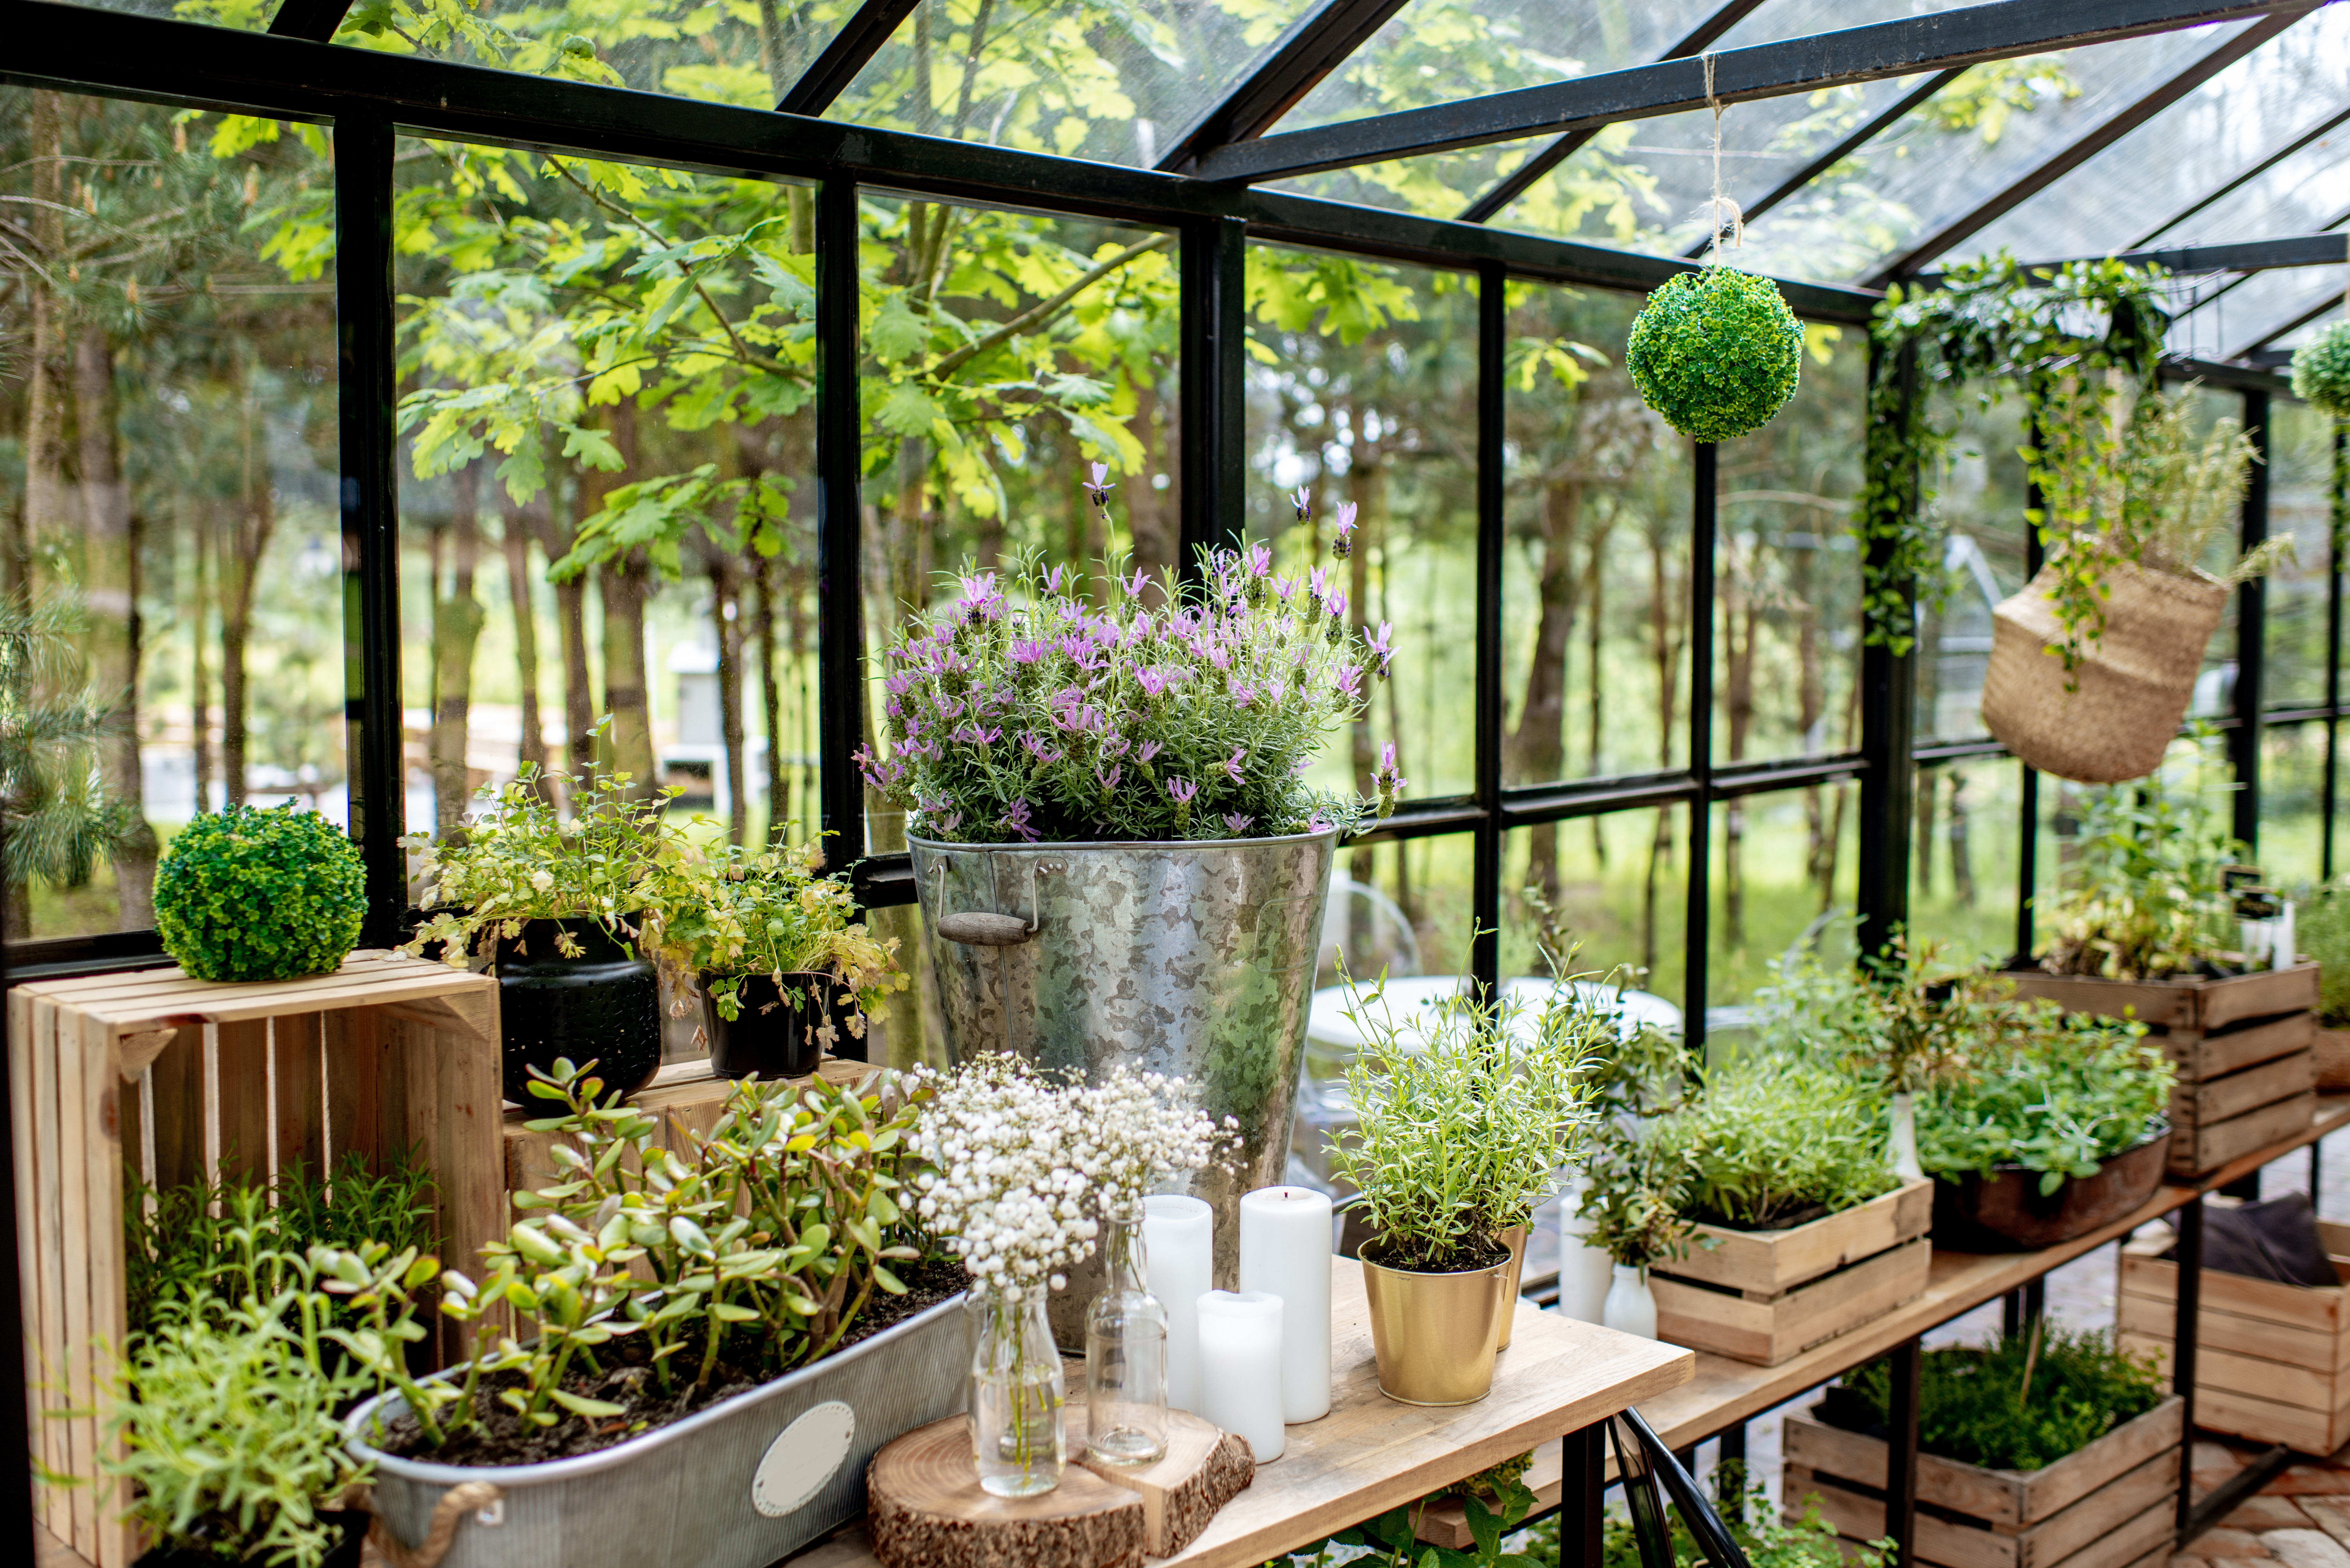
[252,893]
[2321,371]
[1717,352]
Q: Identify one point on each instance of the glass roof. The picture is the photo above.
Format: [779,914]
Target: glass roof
[2239,318]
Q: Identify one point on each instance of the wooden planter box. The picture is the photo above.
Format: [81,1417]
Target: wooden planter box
[2109,1505]
[175,1080]
[1766,1297]
[2332,1049]
[2271,1360]
[2242,1047]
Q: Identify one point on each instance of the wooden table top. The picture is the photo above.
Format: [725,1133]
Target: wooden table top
[1370,1454]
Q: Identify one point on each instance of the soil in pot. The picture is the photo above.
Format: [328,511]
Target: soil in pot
[501,1437]
[603,1005]
[2007,1212]
[345,1555]
[780,1029]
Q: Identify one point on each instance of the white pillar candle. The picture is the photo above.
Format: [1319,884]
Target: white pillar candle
[1239,1367]
[1178,1237]
[1285,1252]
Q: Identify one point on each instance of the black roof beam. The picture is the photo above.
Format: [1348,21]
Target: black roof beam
[859,39]
[1940,41]
[2245,176]
[2245,256]
[2085,146]
[1315,45]
[1518,182]
[315,20]
[1843,150]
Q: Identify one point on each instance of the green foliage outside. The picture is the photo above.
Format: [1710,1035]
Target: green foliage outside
[1717,352]
[2321,371]
[2321,932]
[248,894]
[2144,896]
[2020,1404]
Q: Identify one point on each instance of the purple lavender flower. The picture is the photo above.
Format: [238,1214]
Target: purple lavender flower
[1304,501]
[1242,693]
[1237,822]
[1341,545]
[1028,650]
[1053,579]
[1152,680]
[1318,579]
[1317,823]
[1095,490]
[1284,588]
[1183,790]
[1232,764]
[1109,780]
[1016,820]
[1140,580]
[1260,560]
[1149,750]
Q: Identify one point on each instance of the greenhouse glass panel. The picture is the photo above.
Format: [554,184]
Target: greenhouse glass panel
[2188,149]
[2305,192]
[1618,885]
[1595,576]
[1963,858]
[1362,390]
[2301,482]
[1979,492]
[982,409]
[2292,804]
[1787,568]
[1114,83]
[246,16]
[2316,326]
[722,51]
[169,531]
[1784,869]
[1398,907]
[605,517]
[2231,320]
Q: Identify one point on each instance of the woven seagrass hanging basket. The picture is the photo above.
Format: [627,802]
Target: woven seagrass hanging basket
[2135,680]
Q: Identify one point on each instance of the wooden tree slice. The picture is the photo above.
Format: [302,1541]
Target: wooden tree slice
[1204,1468]
[925,1509]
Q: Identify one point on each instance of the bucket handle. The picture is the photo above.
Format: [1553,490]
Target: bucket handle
[979,928]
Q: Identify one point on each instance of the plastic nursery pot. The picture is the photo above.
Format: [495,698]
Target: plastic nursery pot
[1435,1336]
[345,1554]
[779,1031]
[604,1006]
[2006,1212]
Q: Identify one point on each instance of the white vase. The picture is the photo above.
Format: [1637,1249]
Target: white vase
[1631,1305]
[1584,1272]
[1901,1142]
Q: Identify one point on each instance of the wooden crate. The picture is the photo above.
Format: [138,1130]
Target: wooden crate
[1766,1297]
[175,1080]
[2271,1360]
[2110,1505]
[2242,1047]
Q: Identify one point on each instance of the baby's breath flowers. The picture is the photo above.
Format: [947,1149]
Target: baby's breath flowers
[1145,1128]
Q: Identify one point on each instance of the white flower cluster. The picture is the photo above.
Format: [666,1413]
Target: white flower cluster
[1147,1129]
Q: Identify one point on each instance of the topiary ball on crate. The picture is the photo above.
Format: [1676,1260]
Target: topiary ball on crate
[260,894]
[2321,371]
[1717,352]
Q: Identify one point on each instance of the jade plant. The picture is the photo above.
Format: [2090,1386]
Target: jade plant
[252,893]
[1716,352]
[2021,1404]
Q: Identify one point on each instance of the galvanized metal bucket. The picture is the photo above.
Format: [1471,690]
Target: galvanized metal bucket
[1191,960]
[738,1485]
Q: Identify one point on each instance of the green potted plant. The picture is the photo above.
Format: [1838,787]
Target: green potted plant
[2323,933]
[785,970]
[1463,1124]
[1716,352]
[254,894]
[1637,1177]
[719,1337]
[556,905]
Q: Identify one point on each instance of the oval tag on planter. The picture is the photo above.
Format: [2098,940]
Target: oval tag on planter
[804,1457]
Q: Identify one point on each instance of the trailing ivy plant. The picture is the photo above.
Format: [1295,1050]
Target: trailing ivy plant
[2056,334]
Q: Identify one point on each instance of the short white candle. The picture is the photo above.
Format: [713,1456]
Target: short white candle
[1285,1252]
[1179,1236]
[1240,1368]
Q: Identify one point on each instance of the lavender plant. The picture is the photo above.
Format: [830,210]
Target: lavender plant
[1022,711]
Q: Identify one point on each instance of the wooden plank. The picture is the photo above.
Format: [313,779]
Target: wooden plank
[101,1088]
[2208,1005]
[2197,1056]
[354,1087]
[35,1235]
[1773,1332]
[1860,1517]
[243,1106]
[2259,994]
[1772,1262]
[2266,1421]
[2092,1518]
[300,1093]
[176,1078]
[2198,1150]
[2320,1354]
[2110,1528]
[2155,1278]
[74,1221]
[2226,1372]
[470,1169]
[2219,1099]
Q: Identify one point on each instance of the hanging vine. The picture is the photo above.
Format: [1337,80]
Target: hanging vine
[2060,335]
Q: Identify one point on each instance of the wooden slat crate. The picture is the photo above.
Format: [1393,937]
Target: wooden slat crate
[1766,1297]
[2109,1505]
[2272,1360]
[176,1080]
[2242,1047]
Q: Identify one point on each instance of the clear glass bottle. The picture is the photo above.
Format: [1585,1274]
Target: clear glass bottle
[1017,1437]
[1126,1353]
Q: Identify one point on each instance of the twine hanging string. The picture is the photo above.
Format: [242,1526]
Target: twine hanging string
[1722,213]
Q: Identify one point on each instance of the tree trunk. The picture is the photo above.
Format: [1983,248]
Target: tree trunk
[112,587]
[1595,586]
[626,583]
[45,512]
[456,630]
[255,520]
[1538,746]
[200,714]
[771,704]
[1153,516]
[514,538]
[726,609]
[554,540]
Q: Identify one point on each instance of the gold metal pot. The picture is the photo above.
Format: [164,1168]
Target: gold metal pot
[1436,1336]
[1516,1238]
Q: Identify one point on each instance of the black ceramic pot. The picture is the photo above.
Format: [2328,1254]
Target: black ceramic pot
[779,1033]
[345,1555]
[604,1006]
[2007,1212]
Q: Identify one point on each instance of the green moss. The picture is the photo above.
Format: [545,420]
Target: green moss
[1716,352]
[2321,371]
[251,894]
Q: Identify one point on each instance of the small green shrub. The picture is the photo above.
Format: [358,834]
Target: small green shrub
[1716,352]
[1770,1138]
[2015,1406]
[252,893]
[2062,1096]
[2321,371]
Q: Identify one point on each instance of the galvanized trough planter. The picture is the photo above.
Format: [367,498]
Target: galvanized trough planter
[735,1486]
